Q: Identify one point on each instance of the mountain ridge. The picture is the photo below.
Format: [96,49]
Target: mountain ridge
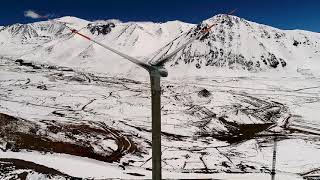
[233,43]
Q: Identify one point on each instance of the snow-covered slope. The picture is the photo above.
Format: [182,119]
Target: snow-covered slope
[62,47]
[233,43]
[19,39]
[236,43]
[209,125]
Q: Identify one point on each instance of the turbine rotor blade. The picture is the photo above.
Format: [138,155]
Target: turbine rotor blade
[163,60]
[132,59]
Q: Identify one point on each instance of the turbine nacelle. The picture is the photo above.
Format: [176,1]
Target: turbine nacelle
[159,71]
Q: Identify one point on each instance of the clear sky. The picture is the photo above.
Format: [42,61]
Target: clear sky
[284,14]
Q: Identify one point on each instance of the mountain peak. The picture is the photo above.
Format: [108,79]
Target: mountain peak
[222,18]
[115,21]
[72,20]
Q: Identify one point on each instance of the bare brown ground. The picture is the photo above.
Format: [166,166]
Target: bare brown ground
[9,165]
[20,134]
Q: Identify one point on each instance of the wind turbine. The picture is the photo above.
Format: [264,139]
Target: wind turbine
[156,71]
[274,158]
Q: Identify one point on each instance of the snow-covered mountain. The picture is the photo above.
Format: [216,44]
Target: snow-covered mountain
[233,43]
[60,123]
[236,43]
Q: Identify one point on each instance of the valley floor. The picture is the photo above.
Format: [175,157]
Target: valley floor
[60,123]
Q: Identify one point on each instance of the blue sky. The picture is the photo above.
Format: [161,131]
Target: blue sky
[284,14]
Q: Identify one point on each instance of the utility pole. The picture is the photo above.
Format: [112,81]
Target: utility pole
[274,158]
